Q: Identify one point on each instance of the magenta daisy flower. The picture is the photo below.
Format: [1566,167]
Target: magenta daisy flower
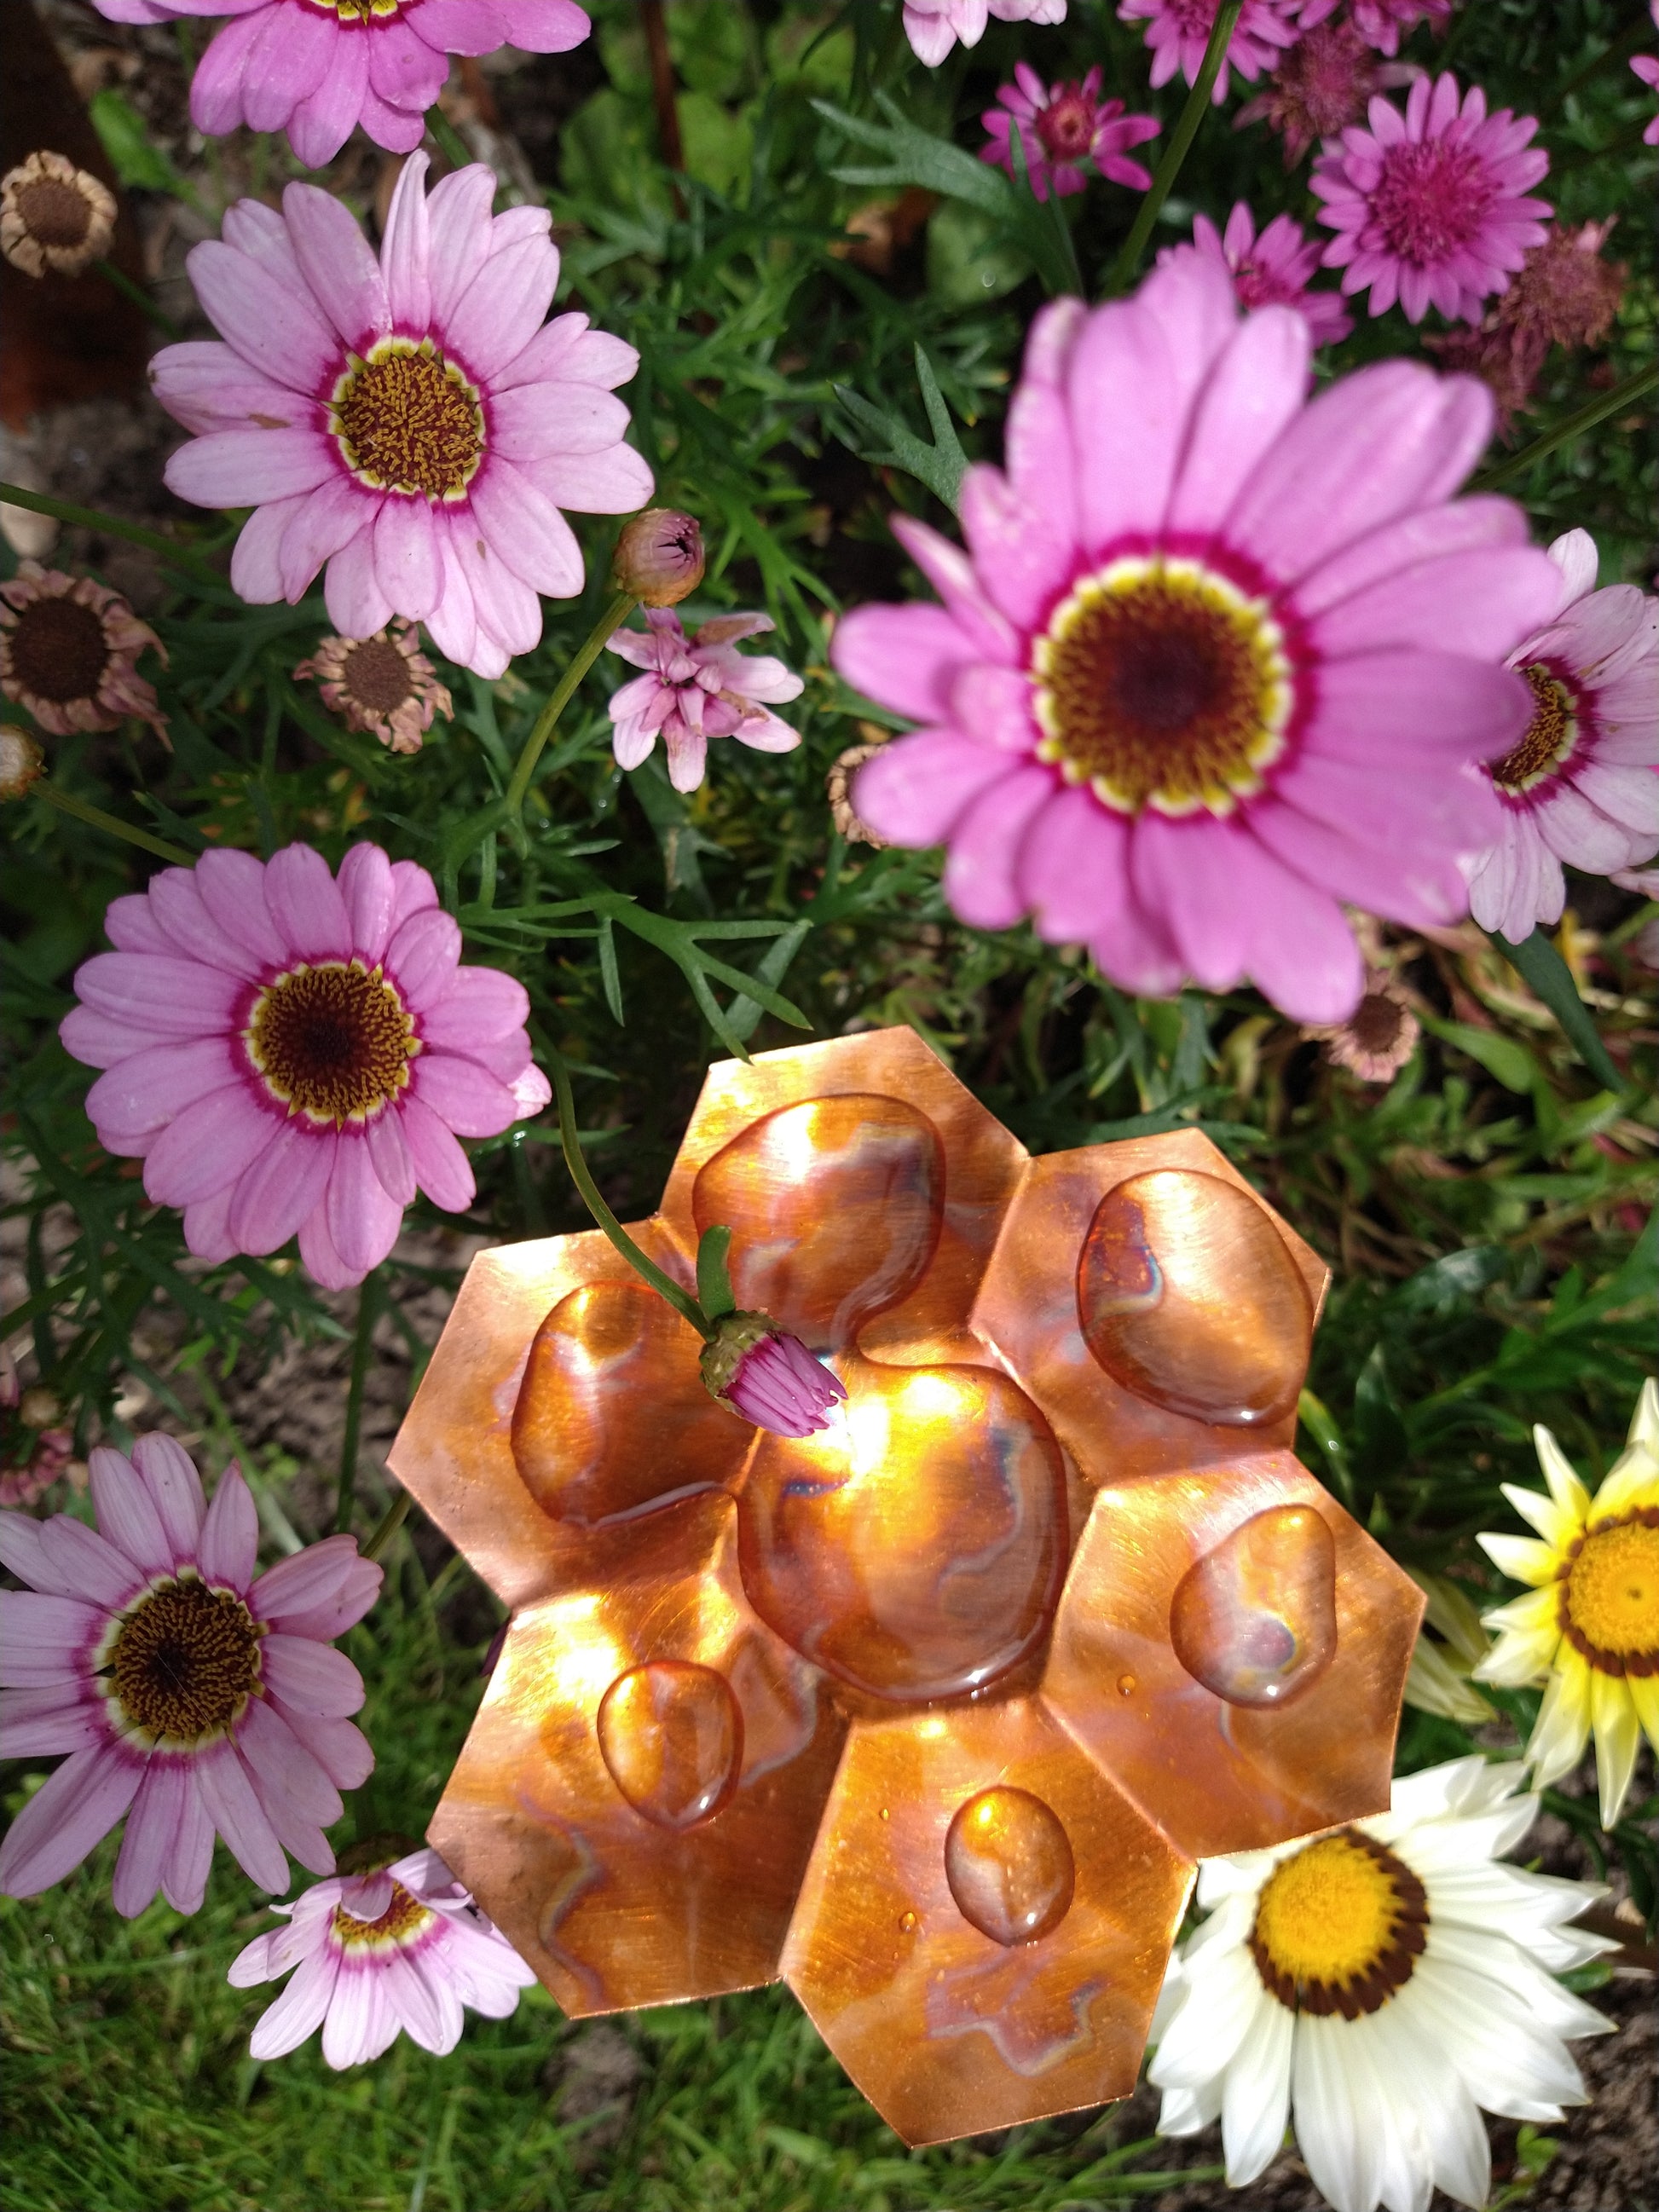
[402,1948]
[1429,206]
[190,1691]
[1218,658]
[286,1052]
[414,421]
[697,688]
[320,68]
[1062,128]
[1380,22]
[1177,31]
[933,27]
[1269,271]
[1646,66]
[1579,786]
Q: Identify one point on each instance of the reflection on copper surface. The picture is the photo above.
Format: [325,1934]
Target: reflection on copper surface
[931,1712]
[1255,1621]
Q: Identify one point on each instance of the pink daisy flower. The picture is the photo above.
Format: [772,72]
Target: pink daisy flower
[1379,22]
[1429,206]
[1580,785]
[317,69]
[1177,31]
[1647,68]
[1217,658]
[287,1052]
[1062,128]
[189,1689]
[1269,271]
[413,422]
[697,688]
[404,1947]
[933,27]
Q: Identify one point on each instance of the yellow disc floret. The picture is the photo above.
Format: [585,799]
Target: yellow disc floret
[1338,1926]
[1610,1595]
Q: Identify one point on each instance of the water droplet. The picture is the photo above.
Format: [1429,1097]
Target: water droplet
[1009,1865]
[1255,1621]
[1126,1686]
[908,1923]
[671,1733]
[1187,1295]
[916,1549]
[886,1813]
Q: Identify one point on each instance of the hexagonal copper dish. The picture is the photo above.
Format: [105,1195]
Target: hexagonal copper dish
[928,1715]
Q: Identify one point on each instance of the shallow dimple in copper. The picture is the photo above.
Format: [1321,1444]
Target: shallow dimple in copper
[752,1683]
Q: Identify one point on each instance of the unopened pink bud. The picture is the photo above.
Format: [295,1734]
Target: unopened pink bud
[768,1376]
[660,558]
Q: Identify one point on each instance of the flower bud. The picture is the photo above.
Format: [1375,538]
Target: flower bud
[659,558]
[768,1376]
[22,761]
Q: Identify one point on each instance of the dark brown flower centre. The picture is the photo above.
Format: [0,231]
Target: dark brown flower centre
[333,1042]
[1339,1926]
[404,1918]
[1160,684]
[185,1663]
[408,422]
[53,213]
[59,650]
[1376,1023]
[1550,738]
[377,676]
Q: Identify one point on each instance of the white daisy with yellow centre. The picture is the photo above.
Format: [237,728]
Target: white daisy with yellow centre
[1383,1981]
[1589,1626]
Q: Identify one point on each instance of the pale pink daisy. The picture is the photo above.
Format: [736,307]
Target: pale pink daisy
[697,688]
[1380,22]
[933,27]
[1218,657]
[1269,271]
[1579,786]
[402,1948]
[320,68]
[1430,206]
[1177,31]
[189,1689]
[414,421]
[1646,66]
[288,1053]
[1062,127]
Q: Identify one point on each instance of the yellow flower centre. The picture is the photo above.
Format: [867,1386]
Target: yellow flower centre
[184,1663]
[359,11]
[1610,1595]
[408,421]
[1338,1926]
[403,1920]
[1160,684]
[1549,740]
[333,1042]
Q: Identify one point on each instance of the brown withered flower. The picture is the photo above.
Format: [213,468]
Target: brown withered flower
[68,653]
[1378,1037]
[838,784]
[1564,294]
[383,685]
[1323,83]
[22,761]
[53,215]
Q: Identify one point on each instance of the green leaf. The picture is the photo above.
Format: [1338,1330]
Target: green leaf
[1511,1063]
[127,142]
[1548,977]
[941,465]
[714,1282]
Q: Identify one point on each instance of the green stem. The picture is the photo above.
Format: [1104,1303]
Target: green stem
[616,611]
[1198,99]
[393,1518]
[1596,411]
[109,823]
[362,1345]
[646,1268]
[448,140]
[139,297]
[111,525]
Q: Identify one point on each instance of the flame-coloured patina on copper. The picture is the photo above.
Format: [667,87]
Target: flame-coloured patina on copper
[929,1714]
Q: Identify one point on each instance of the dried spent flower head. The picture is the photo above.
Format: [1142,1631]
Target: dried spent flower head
[68,653]
[53,215]
[1377,1039]
[22,761]
[1564,293]
[383,685]
[1321,86]
[1506,361]
[838,785]
[659,558]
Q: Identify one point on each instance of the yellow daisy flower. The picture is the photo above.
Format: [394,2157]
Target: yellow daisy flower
[1589,1626]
